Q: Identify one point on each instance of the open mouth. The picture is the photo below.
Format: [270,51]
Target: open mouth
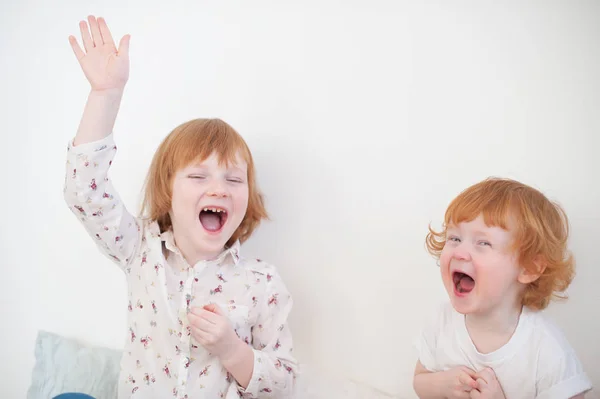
[213,218]
[463,283]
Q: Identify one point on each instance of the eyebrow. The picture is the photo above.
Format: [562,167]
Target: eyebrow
[203,167]
[476,232]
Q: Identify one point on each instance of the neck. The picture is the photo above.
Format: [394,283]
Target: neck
[500,320]
[491,330]
[192,254]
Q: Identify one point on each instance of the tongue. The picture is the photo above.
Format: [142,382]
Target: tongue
[211,221]
[466,283]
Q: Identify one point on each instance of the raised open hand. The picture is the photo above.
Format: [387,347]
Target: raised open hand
[104,66]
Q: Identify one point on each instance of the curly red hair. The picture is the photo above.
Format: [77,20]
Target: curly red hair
[194,141]
[540,227]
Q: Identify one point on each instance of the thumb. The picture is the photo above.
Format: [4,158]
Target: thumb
[213,307]
[124,46]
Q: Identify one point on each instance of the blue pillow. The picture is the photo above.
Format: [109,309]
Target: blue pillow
[64,365]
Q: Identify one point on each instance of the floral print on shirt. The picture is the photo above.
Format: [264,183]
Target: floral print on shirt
[161,359]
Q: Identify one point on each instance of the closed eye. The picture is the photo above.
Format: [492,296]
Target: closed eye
[201,177]
[235,180]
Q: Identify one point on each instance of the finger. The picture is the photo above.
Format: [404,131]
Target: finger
[467,388]
[475,394]
[201,322]
[467,381]
[207,315]
[76,49]
[202,337]
[88,44]
[96,36]
[105,33]
[481,384]
[469,372]
[214,308]
[124,46]
[487,375]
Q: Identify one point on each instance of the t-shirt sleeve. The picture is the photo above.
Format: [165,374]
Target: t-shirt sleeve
[427,340]
[561,373]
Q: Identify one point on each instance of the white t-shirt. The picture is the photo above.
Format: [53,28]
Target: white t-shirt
[537,362]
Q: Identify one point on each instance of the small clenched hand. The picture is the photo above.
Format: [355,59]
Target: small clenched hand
[488,386]
[211,328]
[459,382]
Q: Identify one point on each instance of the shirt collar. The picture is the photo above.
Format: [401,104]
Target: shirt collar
[232,252]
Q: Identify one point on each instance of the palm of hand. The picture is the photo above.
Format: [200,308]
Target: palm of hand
[104,66]
[105,69]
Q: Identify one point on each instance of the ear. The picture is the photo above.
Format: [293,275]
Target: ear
[534,272]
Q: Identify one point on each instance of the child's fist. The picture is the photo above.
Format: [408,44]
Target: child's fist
[488,386]
[459,382]
[211,328]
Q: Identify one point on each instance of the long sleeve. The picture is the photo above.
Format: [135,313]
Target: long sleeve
[91,197]
[275,367]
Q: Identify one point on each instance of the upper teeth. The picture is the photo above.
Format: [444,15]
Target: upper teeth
[214,209]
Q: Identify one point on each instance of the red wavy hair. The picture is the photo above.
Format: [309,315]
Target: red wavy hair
[540,229]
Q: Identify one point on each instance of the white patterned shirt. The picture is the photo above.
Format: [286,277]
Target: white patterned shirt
[160,358]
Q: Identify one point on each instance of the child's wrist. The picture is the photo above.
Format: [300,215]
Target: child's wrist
[235,354]
[111,93]
[442,386]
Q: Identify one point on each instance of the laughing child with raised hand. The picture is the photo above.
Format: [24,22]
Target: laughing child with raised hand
[503,256]
[203,321]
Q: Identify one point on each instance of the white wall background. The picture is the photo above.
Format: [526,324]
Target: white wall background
[365,119]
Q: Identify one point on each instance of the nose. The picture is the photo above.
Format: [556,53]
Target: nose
[461,252]
[217,190]
[218,193]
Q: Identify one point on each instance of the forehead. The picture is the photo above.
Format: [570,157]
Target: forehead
[478,225]
[233,161]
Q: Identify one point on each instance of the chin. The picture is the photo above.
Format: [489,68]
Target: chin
[461,308]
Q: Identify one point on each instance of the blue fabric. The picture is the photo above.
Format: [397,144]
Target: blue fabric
[64,365]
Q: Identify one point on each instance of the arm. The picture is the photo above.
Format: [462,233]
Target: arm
[427,385]
[274,367]
[456,382]
[267,368]
[107,71]
[241,364]
[88,190]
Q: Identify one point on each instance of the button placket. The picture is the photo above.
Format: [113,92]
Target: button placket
[186,338]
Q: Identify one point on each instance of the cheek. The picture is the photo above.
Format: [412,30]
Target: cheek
[241,198]
[184,198]
[445,257]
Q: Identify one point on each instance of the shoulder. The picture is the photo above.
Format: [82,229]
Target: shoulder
[560,372]
[435,324]
[264,274]
[258,266]
[149,228]
[443,315]
[440,315]
[552,341]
